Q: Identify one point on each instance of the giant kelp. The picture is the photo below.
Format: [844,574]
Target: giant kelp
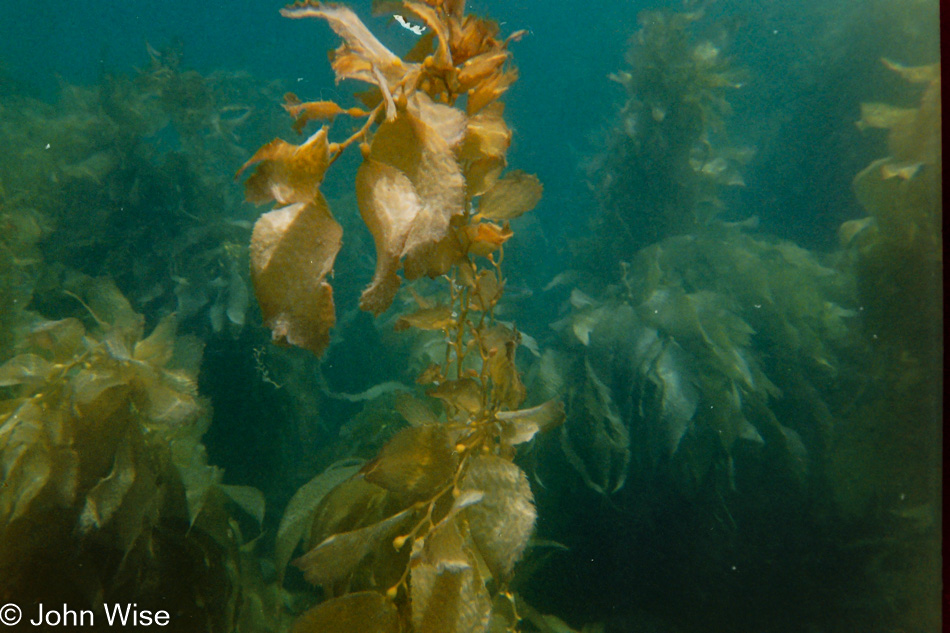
[886,457]
[135,171]
[107,492]
[702,344]
[411,541]
[666,159]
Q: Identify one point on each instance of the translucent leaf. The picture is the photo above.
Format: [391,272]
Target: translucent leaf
[24,369]
[361,612]
[415,411]
[158,347]
[352,504]
[477,68]
[434,318]
[595,440]
[408,190]
[511,196]
[298,516]
[448,595]
[105,498]
[522,425]
[292,251]
[464,394]
[24,460]
[490,89]
[339,555]
[98,393]
[169,405]
[914,74]
[288,173]
[486,237]
[447,122]
[416,463]
[503,521]
[61,338]
[358,39]
[303,113]
[249,499]
[113,312]
[443,58]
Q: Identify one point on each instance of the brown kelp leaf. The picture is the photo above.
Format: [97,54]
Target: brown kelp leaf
[522,425]
[477,68]
[26,461]
[298,516]
[431,374]
[60,338]
[415,411]
[511,196]
[509,389]
[914,74]
[486,134]
[503,521]
[883,116]
[416,463]
[158,347]
[489,89]
[292,251]
[248,498]
[486,237]
[443,58]
[109,493]
[358,40]
[448,594]
[288,173]
[464,394]
[408,190]
[389,205]
[169,405]
[433,318]
[25,369]
[339,555]
[447,122]
[352,504]
[487,291]
[361,612]
[304,112]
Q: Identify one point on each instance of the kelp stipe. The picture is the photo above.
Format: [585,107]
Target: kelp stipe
[411,541]
[665,161]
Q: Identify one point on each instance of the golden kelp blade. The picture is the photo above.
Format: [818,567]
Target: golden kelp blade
[448,594]
[515,194]
[522,425]
[434,318]
[303,113]
[359,40]
[298,516]
[464,394]
[407,190]
[416,463]
[292,251]
[486,237]
[503,520]
[365,611]
[341,554]
[287,173]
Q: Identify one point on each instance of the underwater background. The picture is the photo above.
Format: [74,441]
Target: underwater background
[695,385]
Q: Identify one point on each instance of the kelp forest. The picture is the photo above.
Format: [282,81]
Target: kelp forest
[346,358]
